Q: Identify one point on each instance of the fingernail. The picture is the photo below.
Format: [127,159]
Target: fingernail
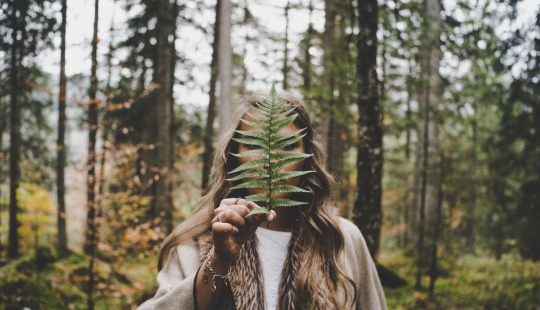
[270,217]
[235,229]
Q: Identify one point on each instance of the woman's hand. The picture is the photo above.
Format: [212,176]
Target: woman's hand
[231,229]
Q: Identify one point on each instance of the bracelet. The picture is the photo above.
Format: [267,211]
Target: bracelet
[224,278]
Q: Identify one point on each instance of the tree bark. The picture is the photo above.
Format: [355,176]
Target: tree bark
[286,67]
[306,45]
[91,231]
[328,79]
[225,65]
[367,213]
[60,143]
[18,24]
[427,180]
[162,207]
[209,133]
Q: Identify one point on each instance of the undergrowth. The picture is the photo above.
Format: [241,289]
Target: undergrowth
[62,283]
[467,282]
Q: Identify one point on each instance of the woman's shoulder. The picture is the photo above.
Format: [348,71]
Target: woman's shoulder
[349,229]
[353,239]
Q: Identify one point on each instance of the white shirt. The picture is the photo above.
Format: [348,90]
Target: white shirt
[272,249]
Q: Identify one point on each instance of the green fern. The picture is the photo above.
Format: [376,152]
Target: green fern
[271,115]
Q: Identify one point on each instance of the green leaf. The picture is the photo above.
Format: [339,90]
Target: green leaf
[288,174]
[285,143]
[278,138]
[259,197]
[255,134]
[269,117]
[261,126]
[284,202]
[258,152]
[252,141]
[251,174]
[286,188]
[289,155]
[282,123]
[283,163]
[251,165]
[252,184]
[258,210]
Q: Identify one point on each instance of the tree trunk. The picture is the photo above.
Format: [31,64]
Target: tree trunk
[162,207]
[367,213]
[225,65]
[433,274]
[328,79]
[286,67]
[18,24]
[306,45]
[60,143]
[91,232]
[427,179]
[209,134]
[3,123]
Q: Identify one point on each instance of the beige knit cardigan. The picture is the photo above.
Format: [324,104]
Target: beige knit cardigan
[176,279]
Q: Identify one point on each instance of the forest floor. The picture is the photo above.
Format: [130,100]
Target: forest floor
[467,282]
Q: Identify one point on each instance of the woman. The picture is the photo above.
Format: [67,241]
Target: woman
[304,257]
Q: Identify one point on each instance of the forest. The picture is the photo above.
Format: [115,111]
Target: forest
[428,110]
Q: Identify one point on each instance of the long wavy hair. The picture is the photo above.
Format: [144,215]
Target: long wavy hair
[319,277]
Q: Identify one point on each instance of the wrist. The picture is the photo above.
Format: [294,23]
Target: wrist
[216,271]
[220,263]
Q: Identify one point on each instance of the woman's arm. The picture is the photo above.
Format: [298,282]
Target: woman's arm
[181,283]
[175,280]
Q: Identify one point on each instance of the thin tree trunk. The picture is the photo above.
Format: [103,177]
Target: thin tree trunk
[433,274]
[211,114]
[162,197]
[60,143]
[423,198]
[15,127]
[225,65]
[286,68]
[328,79]
[3,124]
[367,213]
[306,65]
[105,137]
[90,244]
[428,140]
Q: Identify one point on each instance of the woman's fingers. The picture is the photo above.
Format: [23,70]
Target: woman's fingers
[229,216]
[224,228]
[233,211]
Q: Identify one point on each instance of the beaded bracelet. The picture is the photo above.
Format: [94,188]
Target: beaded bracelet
[224,278]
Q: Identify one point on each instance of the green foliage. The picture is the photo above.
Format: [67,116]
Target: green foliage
[271,116]
[61,283]
[473,282]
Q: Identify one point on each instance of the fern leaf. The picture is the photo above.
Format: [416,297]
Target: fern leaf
[252,174]
[287,175]
[286,188]
[258,210]
[259,197]
[254,134]
[285,143]
[284,202]
[269,117]
[289,155]
[251,141]
[283,163]
[252,184]
[251,165]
